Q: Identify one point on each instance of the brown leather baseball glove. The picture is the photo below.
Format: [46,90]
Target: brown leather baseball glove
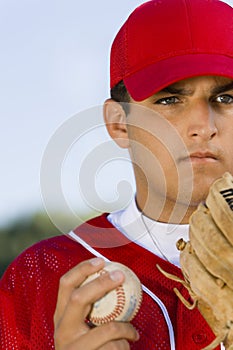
[207,261]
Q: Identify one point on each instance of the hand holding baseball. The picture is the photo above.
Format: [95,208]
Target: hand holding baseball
[120,304]
[75,302]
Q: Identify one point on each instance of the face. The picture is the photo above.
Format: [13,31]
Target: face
[180,141]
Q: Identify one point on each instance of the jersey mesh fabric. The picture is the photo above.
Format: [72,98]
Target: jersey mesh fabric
[28,293]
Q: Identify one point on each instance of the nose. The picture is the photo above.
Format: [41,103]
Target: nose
[202,122]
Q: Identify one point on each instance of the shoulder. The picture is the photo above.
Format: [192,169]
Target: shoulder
[45,251]
[41,258]
[56,249]
[49,258]
[100,222]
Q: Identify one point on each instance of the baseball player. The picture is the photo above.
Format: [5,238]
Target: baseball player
[171,105]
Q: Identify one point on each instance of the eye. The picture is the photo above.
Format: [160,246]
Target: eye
[167,100]
[227,99]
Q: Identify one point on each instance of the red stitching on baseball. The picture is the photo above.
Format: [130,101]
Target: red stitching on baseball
[120,293]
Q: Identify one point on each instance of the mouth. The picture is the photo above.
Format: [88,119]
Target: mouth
[202,157]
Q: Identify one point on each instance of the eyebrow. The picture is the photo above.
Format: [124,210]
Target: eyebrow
[223,88]
[188,92]
[179,91]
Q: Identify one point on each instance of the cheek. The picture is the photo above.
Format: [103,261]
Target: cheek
[155,147]
[228,155]
[225,142]
[152,155]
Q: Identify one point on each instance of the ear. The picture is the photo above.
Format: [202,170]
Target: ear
[115,120]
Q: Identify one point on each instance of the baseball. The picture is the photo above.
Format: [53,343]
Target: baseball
[120,304]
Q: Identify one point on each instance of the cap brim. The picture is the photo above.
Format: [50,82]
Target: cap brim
[153,78]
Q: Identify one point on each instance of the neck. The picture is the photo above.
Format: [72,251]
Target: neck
[165,210]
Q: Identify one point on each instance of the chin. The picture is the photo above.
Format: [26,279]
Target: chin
[198,198]
[201,186]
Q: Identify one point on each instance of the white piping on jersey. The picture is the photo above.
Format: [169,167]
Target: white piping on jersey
[145,289]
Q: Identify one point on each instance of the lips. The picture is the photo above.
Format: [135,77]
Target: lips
[203,155]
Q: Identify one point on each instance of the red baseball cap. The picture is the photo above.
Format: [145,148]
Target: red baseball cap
[164,41]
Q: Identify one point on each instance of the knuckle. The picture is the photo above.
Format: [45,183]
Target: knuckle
[114,328]
[102,280]
[64,281]
[68,278]
[77,297]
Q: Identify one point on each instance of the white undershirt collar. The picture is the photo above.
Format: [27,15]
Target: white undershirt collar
[130,223]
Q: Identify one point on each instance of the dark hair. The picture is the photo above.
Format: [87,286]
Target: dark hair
[120,94]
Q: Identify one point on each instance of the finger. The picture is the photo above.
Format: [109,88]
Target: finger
[211,246]
[103,337]
[71,280]
[197,274]
[82,298]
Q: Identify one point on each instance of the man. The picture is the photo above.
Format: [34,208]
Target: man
[172,61]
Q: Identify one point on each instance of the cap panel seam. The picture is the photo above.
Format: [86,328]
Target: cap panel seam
[187,6]
[127,47]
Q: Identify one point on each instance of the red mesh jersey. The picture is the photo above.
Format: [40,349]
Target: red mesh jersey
[28,293]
